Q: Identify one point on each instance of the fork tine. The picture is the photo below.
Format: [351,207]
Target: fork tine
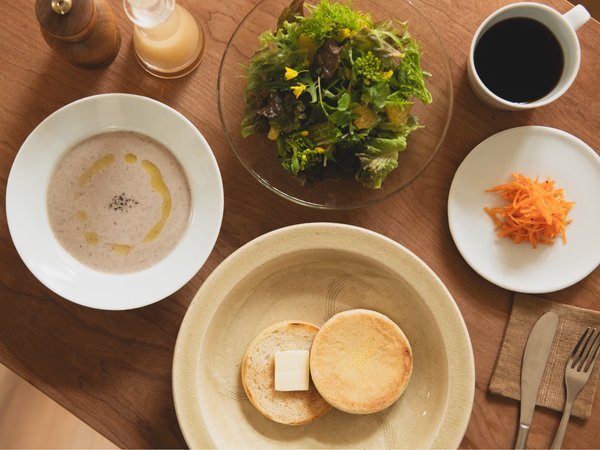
[593,353]
[584,357]
[585,350]
[576,354]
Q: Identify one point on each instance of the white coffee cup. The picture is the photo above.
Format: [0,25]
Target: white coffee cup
[563,26]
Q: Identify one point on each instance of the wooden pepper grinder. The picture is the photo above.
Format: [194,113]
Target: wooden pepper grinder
[84,32]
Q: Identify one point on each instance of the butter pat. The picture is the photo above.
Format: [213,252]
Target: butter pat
[291,370]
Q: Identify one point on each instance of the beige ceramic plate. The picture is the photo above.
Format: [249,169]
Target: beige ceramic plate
[310,272]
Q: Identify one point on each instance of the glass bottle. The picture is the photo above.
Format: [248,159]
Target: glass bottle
[168,41]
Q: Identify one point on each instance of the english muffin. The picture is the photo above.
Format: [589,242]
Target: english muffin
[360,361]
[258,375]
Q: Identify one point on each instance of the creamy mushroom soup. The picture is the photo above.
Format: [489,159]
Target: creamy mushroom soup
[118,201]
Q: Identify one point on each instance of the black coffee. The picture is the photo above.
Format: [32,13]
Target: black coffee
[519,59]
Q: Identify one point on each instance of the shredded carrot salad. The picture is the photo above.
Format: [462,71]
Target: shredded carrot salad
[536,212]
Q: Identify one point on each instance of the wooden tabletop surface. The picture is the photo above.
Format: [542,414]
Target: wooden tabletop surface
[113,369]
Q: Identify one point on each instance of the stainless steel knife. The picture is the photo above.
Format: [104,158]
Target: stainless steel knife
[532,369]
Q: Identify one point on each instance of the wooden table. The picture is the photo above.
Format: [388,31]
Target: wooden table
[113,369]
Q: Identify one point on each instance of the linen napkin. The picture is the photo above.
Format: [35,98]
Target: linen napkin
[506,377]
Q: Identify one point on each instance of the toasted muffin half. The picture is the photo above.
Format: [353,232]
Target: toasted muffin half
[361,361]
[258,375]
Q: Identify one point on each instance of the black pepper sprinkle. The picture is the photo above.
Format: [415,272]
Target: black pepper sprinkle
[122,202]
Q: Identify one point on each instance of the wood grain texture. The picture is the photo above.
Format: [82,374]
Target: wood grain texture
[31,419]
[113,369]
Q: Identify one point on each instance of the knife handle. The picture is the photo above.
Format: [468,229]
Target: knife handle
[522,436]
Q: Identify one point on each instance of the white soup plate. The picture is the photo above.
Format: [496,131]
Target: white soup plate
[27,215]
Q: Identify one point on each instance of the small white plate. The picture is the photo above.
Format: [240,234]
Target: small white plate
[532,151]
[26,201]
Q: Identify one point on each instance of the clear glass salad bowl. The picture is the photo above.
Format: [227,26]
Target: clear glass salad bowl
[259,155]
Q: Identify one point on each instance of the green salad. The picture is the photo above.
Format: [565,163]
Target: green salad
[334,90]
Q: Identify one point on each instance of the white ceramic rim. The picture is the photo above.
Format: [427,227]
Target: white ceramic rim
[555,93]
[512,283]
[461,367]
[29,227]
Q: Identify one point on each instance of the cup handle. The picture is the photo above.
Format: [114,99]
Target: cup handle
[577,16]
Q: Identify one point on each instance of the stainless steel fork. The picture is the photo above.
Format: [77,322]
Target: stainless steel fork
[577,372]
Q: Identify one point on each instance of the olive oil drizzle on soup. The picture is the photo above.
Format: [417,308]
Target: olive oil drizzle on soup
[118,201]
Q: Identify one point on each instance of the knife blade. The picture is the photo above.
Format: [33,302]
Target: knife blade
[535,357]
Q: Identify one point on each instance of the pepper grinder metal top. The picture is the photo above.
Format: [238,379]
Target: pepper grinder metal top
[83,32]
[61,6]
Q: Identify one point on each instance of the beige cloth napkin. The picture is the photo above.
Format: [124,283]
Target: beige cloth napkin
[506,378]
